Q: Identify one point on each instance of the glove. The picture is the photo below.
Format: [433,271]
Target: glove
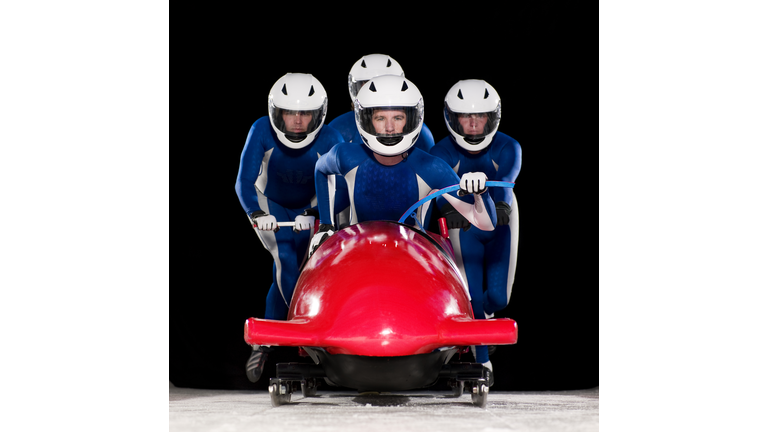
[503,211]
[306,220]
[472,183]
[325,231]
[454,219]
[263,221]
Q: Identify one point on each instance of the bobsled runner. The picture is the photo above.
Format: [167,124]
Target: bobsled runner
[381,306]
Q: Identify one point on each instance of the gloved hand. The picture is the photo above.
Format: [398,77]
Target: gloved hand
[306,220]
[472,183]
[263,221]
[503,212]
[322,235]
[454,219]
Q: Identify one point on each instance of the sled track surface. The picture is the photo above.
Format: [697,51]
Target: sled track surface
[193,410]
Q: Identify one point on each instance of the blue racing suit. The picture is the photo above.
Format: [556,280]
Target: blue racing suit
[347,127]
[379,192]
[280,181]
[487,259]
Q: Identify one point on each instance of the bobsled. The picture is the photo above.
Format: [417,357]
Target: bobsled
[381,306]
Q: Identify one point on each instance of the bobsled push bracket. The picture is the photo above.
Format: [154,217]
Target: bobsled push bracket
[292,377]
[470,377]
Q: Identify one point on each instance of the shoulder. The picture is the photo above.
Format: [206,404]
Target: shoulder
[326,138]
[426,132]
[444,148]
[261,128]
[349,154]
[502,139]
[445,143]
[433,170]
[261,132]
[505,143]
[342,119]
[354,150]
[329,133]
[422,160]
[262,124]
[346,126]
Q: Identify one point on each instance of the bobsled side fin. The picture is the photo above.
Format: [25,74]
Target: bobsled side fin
[463,332]
[280,333]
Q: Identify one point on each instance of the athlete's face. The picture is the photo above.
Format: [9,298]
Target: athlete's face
[473,124]
[296,121]
[388,122]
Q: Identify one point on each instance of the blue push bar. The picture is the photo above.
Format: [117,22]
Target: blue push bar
[411,211]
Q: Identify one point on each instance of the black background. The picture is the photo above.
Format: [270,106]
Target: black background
[533,56]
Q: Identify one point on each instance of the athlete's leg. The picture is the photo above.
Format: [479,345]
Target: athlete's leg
[468,251]
[281,245]
[501,264]
[276,308]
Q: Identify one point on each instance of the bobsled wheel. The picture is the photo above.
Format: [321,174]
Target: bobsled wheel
[480,393]
[309,387]
[279,392]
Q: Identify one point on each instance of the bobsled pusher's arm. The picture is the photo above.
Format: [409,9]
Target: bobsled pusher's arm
[248,173]
[326,170]
[476,213]
[445,193]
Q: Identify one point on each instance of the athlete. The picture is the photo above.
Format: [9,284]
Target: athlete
[385,173]
[486,259]
[275,184]
[362,71]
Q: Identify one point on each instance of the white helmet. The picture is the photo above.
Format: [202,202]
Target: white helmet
[389,112]
[472,113]
[368,67]
[300,100]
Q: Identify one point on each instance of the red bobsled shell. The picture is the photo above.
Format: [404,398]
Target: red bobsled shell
[381,289]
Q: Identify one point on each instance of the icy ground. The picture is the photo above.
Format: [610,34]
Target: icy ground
[221,410]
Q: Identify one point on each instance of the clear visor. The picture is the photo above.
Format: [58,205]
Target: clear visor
[474,127]
[355,86]
[389,124]
[296,125]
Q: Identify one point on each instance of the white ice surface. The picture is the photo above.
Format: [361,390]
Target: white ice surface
[192,410]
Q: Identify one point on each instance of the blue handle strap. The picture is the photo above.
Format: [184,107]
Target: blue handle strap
[411,212]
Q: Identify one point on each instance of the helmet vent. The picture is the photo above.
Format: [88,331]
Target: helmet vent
[363,64]
[373,88]
[405,87]
[285,91]
[486,94]
[389,62]
[461,96]
[312,90]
